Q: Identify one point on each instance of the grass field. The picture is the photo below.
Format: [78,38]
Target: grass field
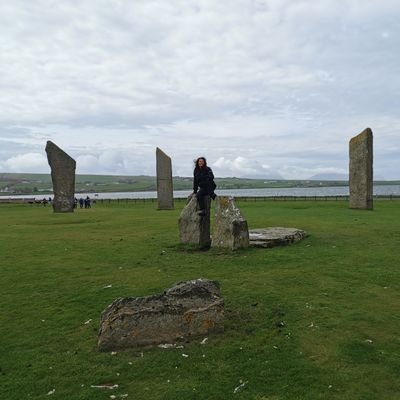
[316,320]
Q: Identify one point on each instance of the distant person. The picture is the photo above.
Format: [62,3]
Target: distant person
[203,183]
[75,202]
[81,203]
[87,202]
[44,201]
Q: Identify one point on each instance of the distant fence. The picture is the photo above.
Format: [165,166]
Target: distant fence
[257,199]
[25,200]
[32,201]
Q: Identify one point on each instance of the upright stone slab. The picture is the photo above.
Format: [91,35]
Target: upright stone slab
[165,189]
[230,227]
[63,176]
[360,171]
[194,229]
[186,310]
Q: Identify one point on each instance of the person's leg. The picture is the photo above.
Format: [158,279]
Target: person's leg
[201,199]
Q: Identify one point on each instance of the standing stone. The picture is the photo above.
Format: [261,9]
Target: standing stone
[186,310]
[165,192]
[63,177]
[230,227]
[193,228]
[360,171]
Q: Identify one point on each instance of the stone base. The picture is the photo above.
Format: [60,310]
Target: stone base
[230,227]
[195,229]
[275,236]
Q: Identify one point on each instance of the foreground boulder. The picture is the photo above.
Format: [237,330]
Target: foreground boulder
[194,229]
[275,236]
[230,227]
[187,309]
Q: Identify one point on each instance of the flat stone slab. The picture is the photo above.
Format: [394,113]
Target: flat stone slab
[275,236]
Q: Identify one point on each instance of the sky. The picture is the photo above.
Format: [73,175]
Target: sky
[261,88]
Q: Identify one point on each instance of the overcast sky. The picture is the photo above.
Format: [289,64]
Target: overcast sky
[262,88]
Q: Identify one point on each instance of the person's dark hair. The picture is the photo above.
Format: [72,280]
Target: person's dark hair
[196,163]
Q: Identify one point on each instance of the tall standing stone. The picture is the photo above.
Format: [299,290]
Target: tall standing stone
[63,176]
[165,189]
[230,227]
[194,229]
[360,171]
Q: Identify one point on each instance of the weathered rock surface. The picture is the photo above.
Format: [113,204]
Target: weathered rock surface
[63,177]
[230,227]
[275,236]
[193,228]
[186,310]
[165,191]
[361,171]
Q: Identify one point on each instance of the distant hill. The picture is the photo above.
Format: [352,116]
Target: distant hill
[341,177]
[330,177]
[41,184]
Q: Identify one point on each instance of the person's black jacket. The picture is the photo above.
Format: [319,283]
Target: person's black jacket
[203,178]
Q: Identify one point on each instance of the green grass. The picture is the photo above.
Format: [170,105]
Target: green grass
[336,293]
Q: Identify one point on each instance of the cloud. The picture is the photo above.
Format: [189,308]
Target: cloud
[277,80]
[241,167]
[26,163]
